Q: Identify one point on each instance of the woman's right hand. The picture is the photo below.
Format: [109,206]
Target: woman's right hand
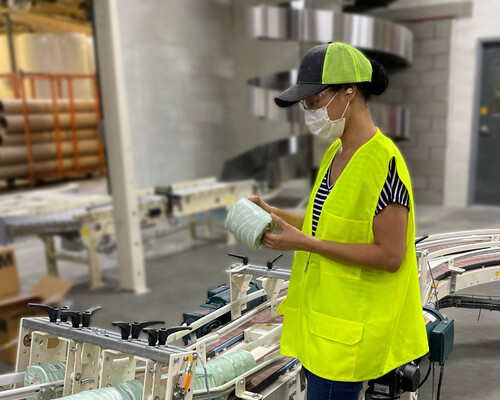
[261,203]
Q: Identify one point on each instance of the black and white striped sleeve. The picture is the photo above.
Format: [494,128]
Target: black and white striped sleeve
[393,191]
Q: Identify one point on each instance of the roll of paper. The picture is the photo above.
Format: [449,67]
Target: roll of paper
[248,222]
[44,373]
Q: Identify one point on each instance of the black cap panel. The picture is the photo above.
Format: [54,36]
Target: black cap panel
[311,68]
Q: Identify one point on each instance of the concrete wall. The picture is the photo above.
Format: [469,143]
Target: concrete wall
[179,71]
[461,134]
[423,88]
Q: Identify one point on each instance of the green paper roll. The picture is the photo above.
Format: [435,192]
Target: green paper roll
[44,373]
[224,369]
[248,222]
[131,390]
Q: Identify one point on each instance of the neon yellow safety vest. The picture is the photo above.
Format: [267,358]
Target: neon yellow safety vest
[342,321]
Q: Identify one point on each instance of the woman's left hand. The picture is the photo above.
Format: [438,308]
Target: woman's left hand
[289,239]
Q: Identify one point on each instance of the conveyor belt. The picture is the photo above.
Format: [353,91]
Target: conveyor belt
[474,262]
[53,223]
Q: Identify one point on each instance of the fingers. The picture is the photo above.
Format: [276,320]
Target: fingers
[282,224]
[269,244]
[257,200]
[269,240]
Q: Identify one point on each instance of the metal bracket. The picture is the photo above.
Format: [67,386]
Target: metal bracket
[47,393]
[455,271]
[272,286]
[239,285]
[241,393]
[177,365]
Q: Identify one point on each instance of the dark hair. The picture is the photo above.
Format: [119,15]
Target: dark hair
[376,87]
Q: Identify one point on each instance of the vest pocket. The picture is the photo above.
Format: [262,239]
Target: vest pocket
[335,329]
[334,345]
[341,230]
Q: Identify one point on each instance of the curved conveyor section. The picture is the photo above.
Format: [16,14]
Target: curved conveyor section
[457,261]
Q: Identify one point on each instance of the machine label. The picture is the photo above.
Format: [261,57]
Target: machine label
[381,388]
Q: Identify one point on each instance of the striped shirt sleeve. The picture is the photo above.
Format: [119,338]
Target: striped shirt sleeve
[393,191]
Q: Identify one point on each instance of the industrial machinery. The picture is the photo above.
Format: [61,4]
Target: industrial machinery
[217,298]
[241,358]
[87,222]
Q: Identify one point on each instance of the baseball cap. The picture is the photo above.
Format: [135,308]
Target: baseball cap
[327,64]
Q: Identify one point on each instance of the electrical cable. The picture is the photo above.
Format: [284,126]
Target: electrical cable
[206,375]
[426,375]
[433,381]
[433,284]
[440,382]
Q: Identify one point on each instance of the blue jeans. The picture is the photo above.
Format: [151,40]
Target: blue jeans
[324,389]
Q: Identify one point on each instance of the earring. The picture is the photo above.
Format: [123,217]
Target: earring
[349,91]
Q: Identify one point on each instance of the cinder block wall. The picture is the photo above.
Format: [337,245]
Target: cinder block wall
[423,88]
[179,71]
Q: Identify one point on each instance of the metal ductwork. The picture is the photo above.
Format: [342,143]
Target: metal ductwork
[389,43]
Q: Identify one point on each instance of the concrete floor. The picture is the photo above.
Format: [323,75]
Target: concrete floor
[179,272]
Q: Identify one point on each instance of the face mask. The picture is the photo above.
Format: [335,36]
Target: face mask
[321,125]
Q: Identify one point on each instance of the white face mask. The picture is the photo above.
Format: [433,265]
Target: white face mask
[321,125]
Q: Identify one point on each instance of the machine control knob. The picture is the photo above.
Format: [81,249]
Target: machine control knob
[270,263]
[152,336]
[137,327]
[244,259]
[164,333]
[63,317]
[87,314]
[51,311]
[125,328]
[75,316]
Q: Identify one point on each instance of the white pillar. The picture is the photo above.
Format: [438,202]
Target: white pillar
[118,145]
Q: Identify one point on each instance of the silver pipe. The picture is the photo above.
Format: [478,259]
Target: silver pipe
[22,393]
[10,379]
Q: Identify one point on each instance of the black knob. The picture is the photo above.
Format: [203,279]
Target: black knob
[270,263]
[137,327]
[63,317]
[125,328]
[410,377]
[51,311]
[87,314]
[244,259]
[164,333]
[152,336]
[75,316]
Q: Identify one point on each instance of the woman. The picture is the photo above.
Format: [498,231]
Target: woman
[353,309]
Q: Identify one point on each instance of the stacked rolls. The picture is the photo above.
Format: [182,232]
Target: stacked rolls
[43,136]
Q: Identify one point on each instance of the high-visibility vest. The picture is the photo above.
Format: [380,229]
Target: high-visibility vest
[343,321]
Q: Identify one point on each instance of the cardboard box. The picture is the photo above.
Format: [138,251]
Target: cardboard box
[13,307]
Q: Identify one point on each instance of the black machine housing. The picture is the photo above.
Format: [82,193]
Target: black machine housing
[406,378]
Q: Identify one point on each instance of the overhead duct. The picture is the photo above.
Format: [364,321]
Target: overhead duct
[389,43]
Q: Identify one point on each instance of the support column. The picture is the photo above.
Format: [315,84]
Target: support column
[118,145]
